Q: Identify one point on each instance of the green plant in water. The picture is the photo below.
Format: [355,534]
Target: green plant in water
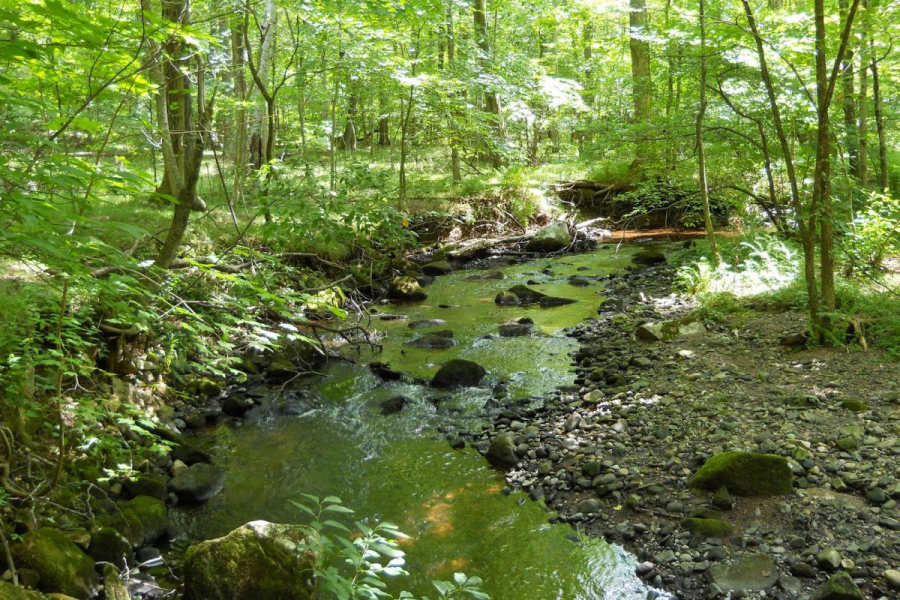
[353,563]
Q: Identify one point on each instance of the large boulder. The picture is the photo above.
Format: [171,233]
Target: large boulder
[150,484]
[502,451]
[258,560]
[406,289]
[458,373]
[752,573]
[506,298]
[394,405]
[142,520]
[745,474]
[198,483]
[62,566]
[551,238]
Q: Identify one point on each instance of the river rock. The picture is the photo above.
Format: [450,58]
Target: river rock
[438,267]
[394,405]
[551,301]
[113,588]
[434,340]
[707,528]
[829,559]
[9,591]
[502,451]
[458,373]
[551,238]
[236,406]
[421,323]
[649,258]
[406,289]
[752,573]
[839,587]
[258,560]
[490,275]
[745,474]
[108,545]
[892,578]
[148,484]
[579,281]
[506,298]
[516,328]
[62,566]
[657,331]
[142,520]
[526,295]
[198,483]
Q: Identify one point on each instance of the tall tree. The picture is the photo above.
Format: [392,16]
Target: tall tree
[701,151]
[641,82]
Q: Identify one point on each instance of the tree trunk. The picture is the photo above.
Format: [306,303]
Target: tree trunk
[240,114]
[491,98]
[807,236]
[849,103]
[641,83]
[862,163]
[884,182]
[701,154]
[264,121]
[455,171]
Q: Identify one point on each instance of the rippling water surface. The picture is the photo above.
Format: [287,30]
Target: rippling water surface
[398,468]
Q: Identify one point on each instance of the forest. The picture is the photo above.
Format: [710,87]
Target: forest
[449,299]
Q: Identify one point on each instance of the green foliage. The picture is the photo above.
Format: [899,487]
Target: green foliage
[874,234]
[353,563]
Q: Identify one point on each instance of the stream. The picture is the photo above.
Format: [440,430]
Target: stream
[399,467]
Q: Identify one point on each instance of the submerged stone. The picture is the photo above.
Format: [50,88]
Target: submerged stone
[526,295]
[745,474]
[198,483]
[649,258]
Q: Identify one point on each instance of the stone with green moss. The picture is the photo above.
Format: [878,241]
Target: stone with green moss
[722,499]
[506,298]
[745,474]
[62,566]
[142,520]
[839,587]
[707,528]
[551,238]
[108,545]
[406,288]
[854,405]
[258,560]
[9,591]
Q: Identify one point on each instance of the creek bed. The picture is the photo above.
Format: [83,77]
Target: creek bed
[399,468]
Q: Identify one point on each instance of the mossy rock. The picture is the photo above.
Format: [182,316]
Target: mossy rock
[9,591]
[62,566]
[551,238]
[142,520]
[108,545]
[458,373]
[707,528]
[506,298]
[406,289]
[649,258]
[745,474]
[751,573]
[854,405]
[258,560]
[839,587]
[706,513]
[502,451]
[438,267]
[526,295]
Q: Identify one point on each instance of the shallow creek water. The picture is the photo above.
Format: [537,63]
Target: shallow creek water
[399,468]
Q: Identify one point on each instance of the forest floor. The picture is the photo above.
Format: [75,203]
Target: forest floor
[614,458]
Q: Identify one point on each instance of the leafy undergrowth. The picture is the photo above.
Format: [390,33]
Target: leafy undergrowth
[762,272]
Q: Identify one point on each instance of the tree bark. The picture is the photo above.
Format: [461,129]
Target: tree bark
[701,153]
[807,236]
[884,182]
[642,85]
[491,98]
[851,133]
[862,163]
